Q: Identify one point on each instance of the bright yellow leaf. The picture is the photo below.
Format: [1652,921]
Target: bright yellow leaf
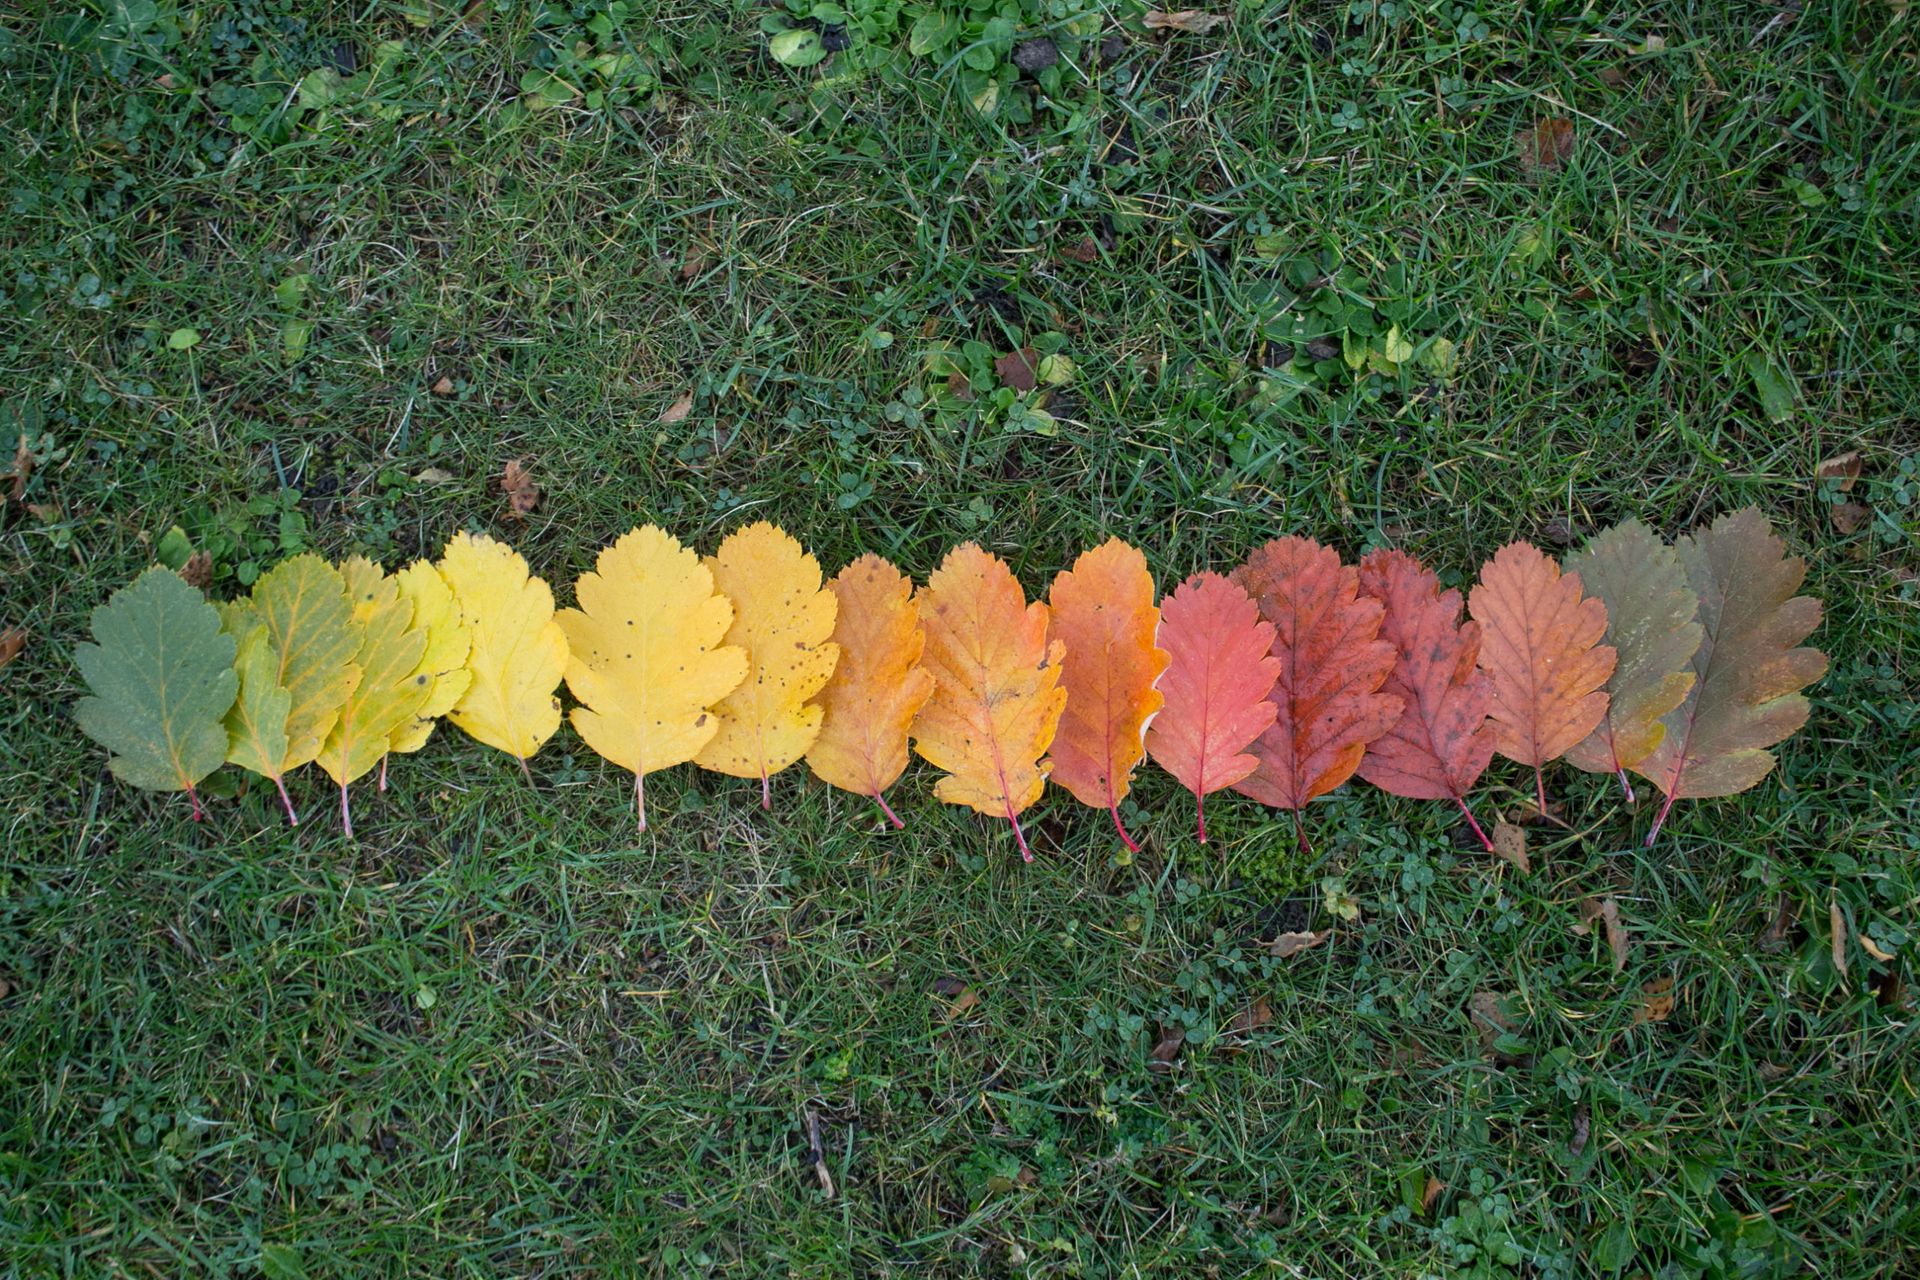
[519,651]
[444,660]
[642,656]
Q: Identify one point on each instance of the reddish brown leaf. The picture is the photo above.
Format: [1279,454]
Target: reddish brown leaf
[443,386]
[198,570]
[1747,695]
[1292,944]
[523,495]
[1327,699]
[1216,686]
[1019,369]
[1656,1001]
[12,641]
[1441,743]
[22,469]
[1252,1018]
[1540,643]
[1849,517]
[1546,147]
[1510,844]
[1166,1049]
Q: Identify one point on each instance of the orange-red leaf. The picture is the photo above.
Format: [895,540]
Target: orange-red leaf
[1103,612]
[878,685]
[1442,742]
[1748,695]
[1327,699]
[1216,686]
[996,697]
[1540,643]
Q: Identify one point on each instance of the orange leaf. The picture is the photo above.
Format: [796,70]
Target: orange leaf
[1442,743]
[1216,686]
[996,700]
[878,685]
[1747,694]
[1540,644]
[1103,612]
[1327,699]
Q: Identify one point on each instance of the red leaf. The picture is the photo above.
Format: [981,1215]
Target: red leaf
[1216,686]
[1332,663]
[1442,742]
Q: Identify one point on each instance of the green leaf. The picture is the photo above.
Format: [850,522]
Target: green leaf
[183,338]
[1776,386]
[932,33]
[161,677]
[257,722]
[292,291]
[798,47]
[175,548]
[1397,348]
[1441,357]
[294,335]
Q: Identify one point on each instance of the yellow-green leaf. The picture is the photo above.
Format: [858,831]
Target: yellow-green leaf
[257,722]
[391,688]
[302,602]
[161,677]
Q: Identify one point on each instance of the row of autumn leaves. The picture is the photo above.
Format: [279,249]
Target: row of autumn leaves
[1280,681]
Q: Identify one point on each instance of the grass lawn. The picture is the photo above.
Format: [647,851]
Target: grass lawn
[296,275]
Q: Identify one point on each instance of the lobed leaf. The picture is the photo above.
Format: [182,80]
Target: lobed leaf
[518,651]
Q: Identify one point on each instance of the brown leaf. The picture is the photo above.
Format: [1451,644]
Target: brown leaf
[1849,517]
[1607,911]
[1546,147]
[22,469]
[1582,1129]
[1510,842]
[1837,922]
[1289,944]
[12,641]
[1192,21]
[46,512]
[1656,1001]
[947,985]
[1872,948]
[1088,250]
[1017,368]
[1160,1057]
[443,386]
[693,266]
[1775,936]
[963,1004]
[1251,1019]
[958,387]
[198,570]
[1490,1011]
[1843,469]
[677,411]
[516,481]
[1431,1194]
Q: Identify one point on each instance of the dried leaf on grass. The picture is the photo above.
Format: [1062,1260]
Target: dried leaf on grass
[1192,21]
[1510,843]
[1656,1001]
[1290,944]
[12,641]
[677,411]
[1607,911]
[516,482]
[1546,147]
[1166,1049]
[1842,469]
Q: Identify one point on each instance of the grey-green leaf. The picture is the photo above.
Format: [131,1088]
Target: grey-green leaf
[161,677]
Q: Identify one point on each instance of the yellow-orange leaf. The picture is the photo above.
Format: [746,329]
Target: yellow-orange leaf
[782,617]
[1103,612]
[996,697]
[1540,643]
[878,686]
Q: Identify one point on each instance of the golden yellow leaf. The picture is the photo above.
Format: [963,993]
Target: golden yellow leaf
[642,656]
[996,697]
[444,661]
[878,685]
[782,617]
[518,653]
